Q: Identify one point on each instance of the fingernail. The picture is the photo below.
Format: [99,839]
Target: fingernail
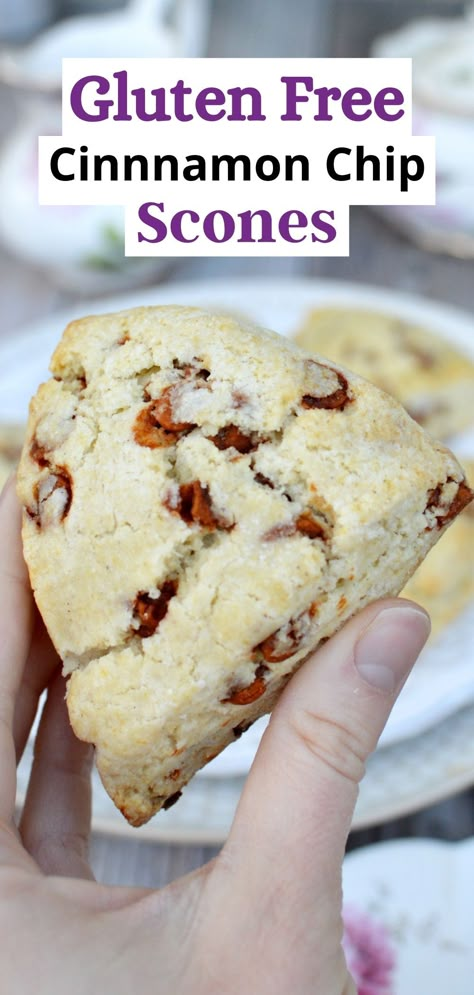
[386,651]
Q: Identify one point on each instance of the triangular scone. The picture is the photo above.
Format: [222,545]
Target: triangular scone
[204,503]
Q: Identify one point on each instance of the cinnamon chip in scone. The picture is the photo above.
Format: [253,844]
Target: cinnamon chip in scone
[444,583]
[209,508]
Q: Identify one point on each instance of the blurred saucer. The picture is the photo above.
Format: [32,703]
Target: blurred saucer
[442,50]
[417,896]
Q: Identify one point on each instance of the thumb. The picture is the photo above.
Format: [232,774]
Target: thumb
[295,813]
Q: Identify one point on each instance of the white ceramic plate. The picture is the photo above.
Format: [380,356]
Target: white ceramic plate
[401,779]
[417,897]
[443,680]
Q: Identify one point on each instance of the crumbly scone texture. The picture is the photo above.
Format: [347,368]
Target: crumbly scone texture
[433,380]
[204,503]
[444,582]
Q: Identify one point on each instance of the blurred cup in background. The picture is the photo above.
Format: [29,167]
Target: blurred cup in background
[81,248]
[442,50]
[20,19]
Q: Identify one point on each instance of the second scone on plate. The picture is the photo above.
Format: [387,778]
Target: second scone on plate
[431,377]
[204,503]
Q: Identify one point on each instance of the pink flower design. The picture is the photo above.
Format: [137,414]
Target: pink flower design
[369,953]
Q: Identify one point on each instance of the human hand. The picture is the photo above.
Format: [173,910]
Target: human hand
[265,916]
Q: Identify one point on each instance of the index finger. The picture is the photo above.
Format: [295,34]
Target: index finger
[16,623]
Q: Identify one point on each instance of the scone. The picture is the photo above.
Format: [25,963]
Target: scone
[444,582]
[204,503]
[432,379]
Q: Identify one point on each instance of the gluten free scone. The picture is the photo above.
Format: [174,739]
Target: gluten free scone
[432,379]
[204,503]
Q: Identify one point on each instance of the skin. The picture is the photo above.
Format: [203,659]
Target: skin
[265,915]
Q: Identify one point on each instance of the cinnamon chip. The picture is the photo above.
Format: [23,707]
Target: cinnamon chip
[39,453]
[462,498]
[150,611]
[192,369]
[264,481]
[231,436]
[274,649]
[32,513]
[241,728]
[286,640]
[195,505]
[337,400]
[306,524]
[161,411]
[172,799]
[434,498]
[245,696]
[310,526]
[149,432]
[156,426]
[63,482]
[59,479]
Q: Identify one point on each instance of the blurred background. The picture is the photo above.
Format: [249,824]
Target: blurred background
[91,263]
[55,258]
